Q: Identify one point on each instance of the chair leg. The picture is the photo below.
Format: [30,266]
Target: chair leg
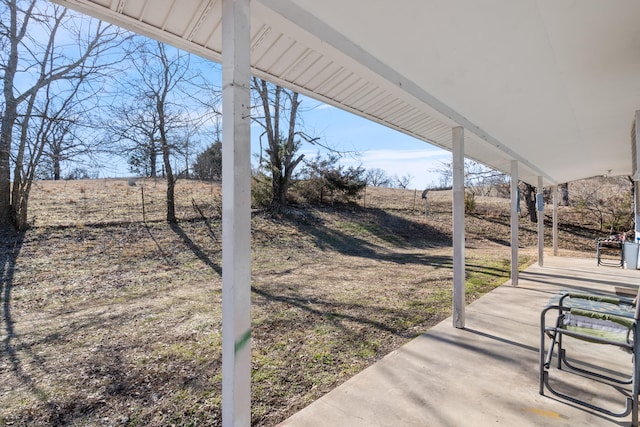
[630,403]
[636,387]
[560,351]
[546,356]
[542,360]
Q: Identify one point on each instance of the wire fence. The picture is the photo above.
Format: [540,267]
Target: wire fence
[126,200]
[112,201]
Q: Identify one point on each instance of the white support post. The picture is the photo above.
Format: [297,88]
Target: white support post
[515,223]
[236,215]
[636,209]
[636,186]
[540,209]
[555,220]
[458,228]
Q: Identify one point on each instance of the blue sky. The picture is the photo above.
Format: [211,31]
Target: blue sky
[365,143]
[377,145]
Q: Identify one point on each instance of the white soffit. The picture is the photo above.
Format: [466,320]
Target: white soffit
[553,84]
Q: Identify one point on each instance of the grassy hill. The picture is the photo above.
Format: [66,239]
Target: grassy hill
[112,317]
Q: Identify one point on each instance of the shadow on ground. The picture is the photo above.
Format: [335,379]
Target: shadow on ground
[354,232]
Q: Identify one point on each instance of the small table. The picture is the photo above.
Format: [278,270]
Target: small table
[612,248]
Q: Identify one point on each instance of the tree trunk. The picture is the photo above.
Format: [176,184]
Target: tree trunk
[171,206]
[25,163]
[153,160]
[10,115]
[6,132]
[282,148]
[21,209]
[166,157]
[56,167]
[564,194]
[279,197]
[530,200]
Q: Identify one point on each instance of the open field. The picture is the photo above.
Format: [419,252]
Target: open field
[112,317]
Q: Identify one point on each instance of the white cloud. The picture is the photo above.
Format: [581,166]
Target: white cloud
[417,163]
[323,107]
[390,155]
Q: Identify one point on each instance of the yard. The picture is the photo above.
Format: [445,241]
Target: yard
[113,317]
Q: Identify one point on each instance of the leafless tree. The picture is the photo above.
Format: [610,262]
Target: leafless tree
[608,201]
[277,112]
[564,194]
[529,192]
[478,178]
[153,119]
[69,134]
[403,181]
[45,49]
[377,177]
[133,126]
[44,126]
[445,171]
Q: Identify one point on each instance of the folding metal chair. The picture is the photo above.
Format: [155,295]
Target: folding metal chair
[599,320]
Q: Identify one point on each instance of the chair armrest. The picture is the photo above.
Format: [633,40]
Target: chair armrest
[591,326]
[616,306]
[621,320]
[598,298]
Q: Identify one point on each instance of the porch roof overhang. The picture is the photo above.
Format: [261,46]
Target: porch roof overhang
[553,84]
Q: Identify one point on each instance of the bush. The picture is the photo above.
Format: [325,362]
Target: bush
[469,202]
[322,177]
[261,191]
[208,164]
[607,201]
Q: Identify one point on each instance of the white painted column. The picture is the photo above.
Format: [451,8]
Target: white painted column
[515,223]
[555,220]
[458,228]
[236,215]
[636,209]
[540,209]
[636,184]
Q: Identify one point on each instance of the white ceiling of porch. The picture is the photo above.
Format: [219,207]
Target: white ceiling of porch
[551,83]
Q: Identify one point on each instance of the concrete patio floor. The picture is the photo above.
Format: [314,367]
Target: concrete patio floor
[487,373]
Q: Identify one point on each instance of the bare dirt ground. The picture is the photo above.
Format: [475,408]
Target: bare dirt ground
[112,317]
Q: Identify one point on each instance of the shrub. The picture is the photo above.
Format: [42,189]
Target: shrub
[323,177]
[261,191]
[208,164]
[469,202]
[607,201]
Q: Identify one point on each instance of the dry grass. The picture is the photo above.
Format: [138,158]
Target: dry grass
[108,320]
[114,201]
